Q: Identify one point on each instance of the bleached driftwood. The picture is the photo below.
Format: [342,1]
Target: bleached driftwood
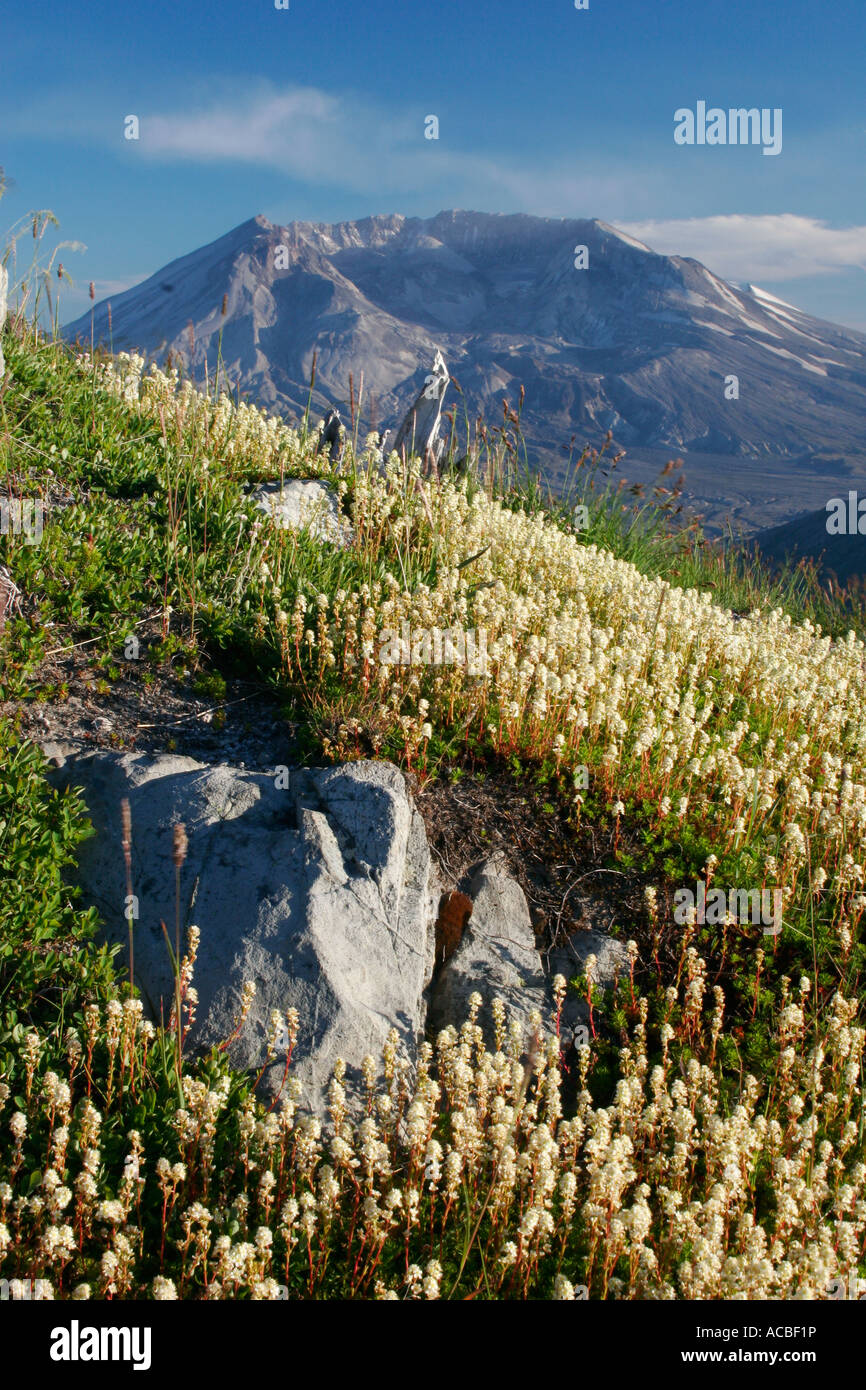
[419,432]
[10,596]
[330,436]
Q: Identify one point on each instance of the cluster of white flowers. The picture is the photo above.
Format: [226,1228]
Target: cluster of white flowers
[673,1190]
[745,724]
[219,426]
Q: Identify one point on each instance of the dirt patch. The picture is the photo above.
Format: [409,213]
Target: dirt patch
[151,709]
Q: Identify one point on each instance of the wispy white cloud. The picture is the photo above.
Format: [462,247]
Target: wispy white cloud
[341,140]
[302,131]
[104,288]
[330,139]
[765,247]
[352,142]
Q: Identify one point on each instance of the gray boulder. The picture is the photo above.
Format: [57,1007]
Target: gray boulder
[319,892]
[304,502]
[498,958]
[611,961]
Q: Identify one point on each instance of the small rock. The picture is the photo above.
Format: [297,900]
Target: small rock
[611,961]
[57,753]
[304,502]
[497,957]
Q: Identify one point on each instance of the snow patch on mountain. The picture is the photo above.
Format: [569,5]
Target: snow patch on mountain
[629,240]
[758,293]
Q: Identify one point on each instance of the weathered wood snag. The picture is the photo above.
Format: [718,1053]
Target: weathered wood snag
[330,436]
[10,596]
[419,432]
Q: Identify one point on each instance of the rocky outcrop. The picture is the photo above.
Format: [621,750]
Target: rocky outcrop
[315,886]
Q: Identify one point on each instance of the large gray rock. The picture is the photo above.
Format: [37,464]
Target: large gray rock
[4,292]
[497,958]
[319,893]
[304,502]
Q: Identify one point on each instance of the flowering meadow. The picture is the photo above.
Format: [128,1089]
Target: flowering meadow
[707,1143]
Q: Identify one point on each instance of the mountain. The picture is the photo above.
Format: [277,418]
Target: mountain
[638,343]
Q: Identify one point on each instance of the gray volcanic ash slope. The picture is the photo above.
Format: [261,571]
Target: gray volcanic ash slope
[638,343]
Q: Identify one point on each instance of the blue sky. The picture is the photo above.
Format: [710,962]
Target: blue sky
[317,112]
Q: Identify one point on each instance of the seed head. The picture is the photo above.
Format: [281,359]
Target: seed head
[181,844]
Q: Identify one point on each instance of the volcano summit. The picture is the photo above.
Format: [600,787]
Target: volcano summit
[603,333]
